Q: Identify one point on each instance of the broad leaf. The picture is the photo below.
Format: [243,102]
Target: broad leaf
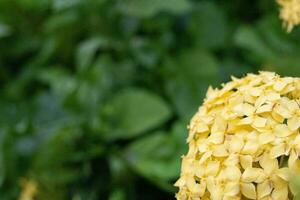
[157,156]
[135,111]
[188,78]
[87,50]
[146,8]
[209,26]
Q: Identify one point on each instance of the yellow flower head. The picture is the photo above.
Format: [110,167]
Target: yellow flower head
[290,13]
[29,190]
[244,141]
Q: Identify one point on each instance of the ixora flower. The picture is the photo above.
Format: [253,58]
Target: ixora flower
[29,190]
[244,141]
[290,13]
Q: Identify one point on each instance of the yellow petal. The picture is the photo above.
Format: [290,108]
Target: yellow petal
[268,164]
[279,85]
[246,161]
[219,125]
[194,187]
[259,121]
[216,194]
[264,108]
[212,168]
[250,147]
[192,148]
[262,177]
[264,189]
[187,165]
[205,156]
[292,159]
[180,182]
[277,117]
[251,174]
[265,138]
[210,183]
[282,111]
[283,173]
[282,130]
[280,194]
[294,143]
[260,101]
[199,189]
[292,105]
[216,137]
[248,190]
[210,92]
[248,109]
[231,160]
[202,127]
[294,162]
[255,91]
[199,169]
[220,151]
[29,190]
[277,150]
[235,144]
[278,182]
[232,189]
[246,121]
[294,123]
[273,96]
[231,197]
[293,189]
[189,181]
[214,190]
[202,146]
[238,109]
[251,136]
[249,98]
[232,173]
[207,119]
[266,198]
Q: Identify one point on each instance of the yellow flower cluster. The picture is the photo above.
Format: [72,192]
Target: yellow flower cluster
[244,141]
[29,190]
[290,13]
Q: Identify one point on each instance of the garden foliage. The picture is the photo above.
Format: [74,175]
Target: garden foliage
[96,94]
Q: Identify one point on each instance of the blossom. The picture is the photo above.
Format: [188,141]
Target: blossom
[289,13]
[29,190]
[244,141]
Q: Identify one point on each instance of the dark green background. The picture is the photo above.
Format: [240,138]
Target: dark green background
[95,95]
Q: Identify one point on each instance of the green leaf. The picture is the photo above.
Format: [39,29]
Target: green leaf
[135,111]
[117,194]
[158,156]
[149,8]
[208,25]
[61,21]
[2,165]
[270,47]
[150,156]
[248,38]
[4,30]
[87,51]
[272,33]
[59,5]
[120,172]
[188,78]
[60,82]
[285,47]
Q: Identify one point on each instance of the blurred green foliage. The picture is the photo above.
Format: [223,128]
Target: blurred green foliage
[96,94]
